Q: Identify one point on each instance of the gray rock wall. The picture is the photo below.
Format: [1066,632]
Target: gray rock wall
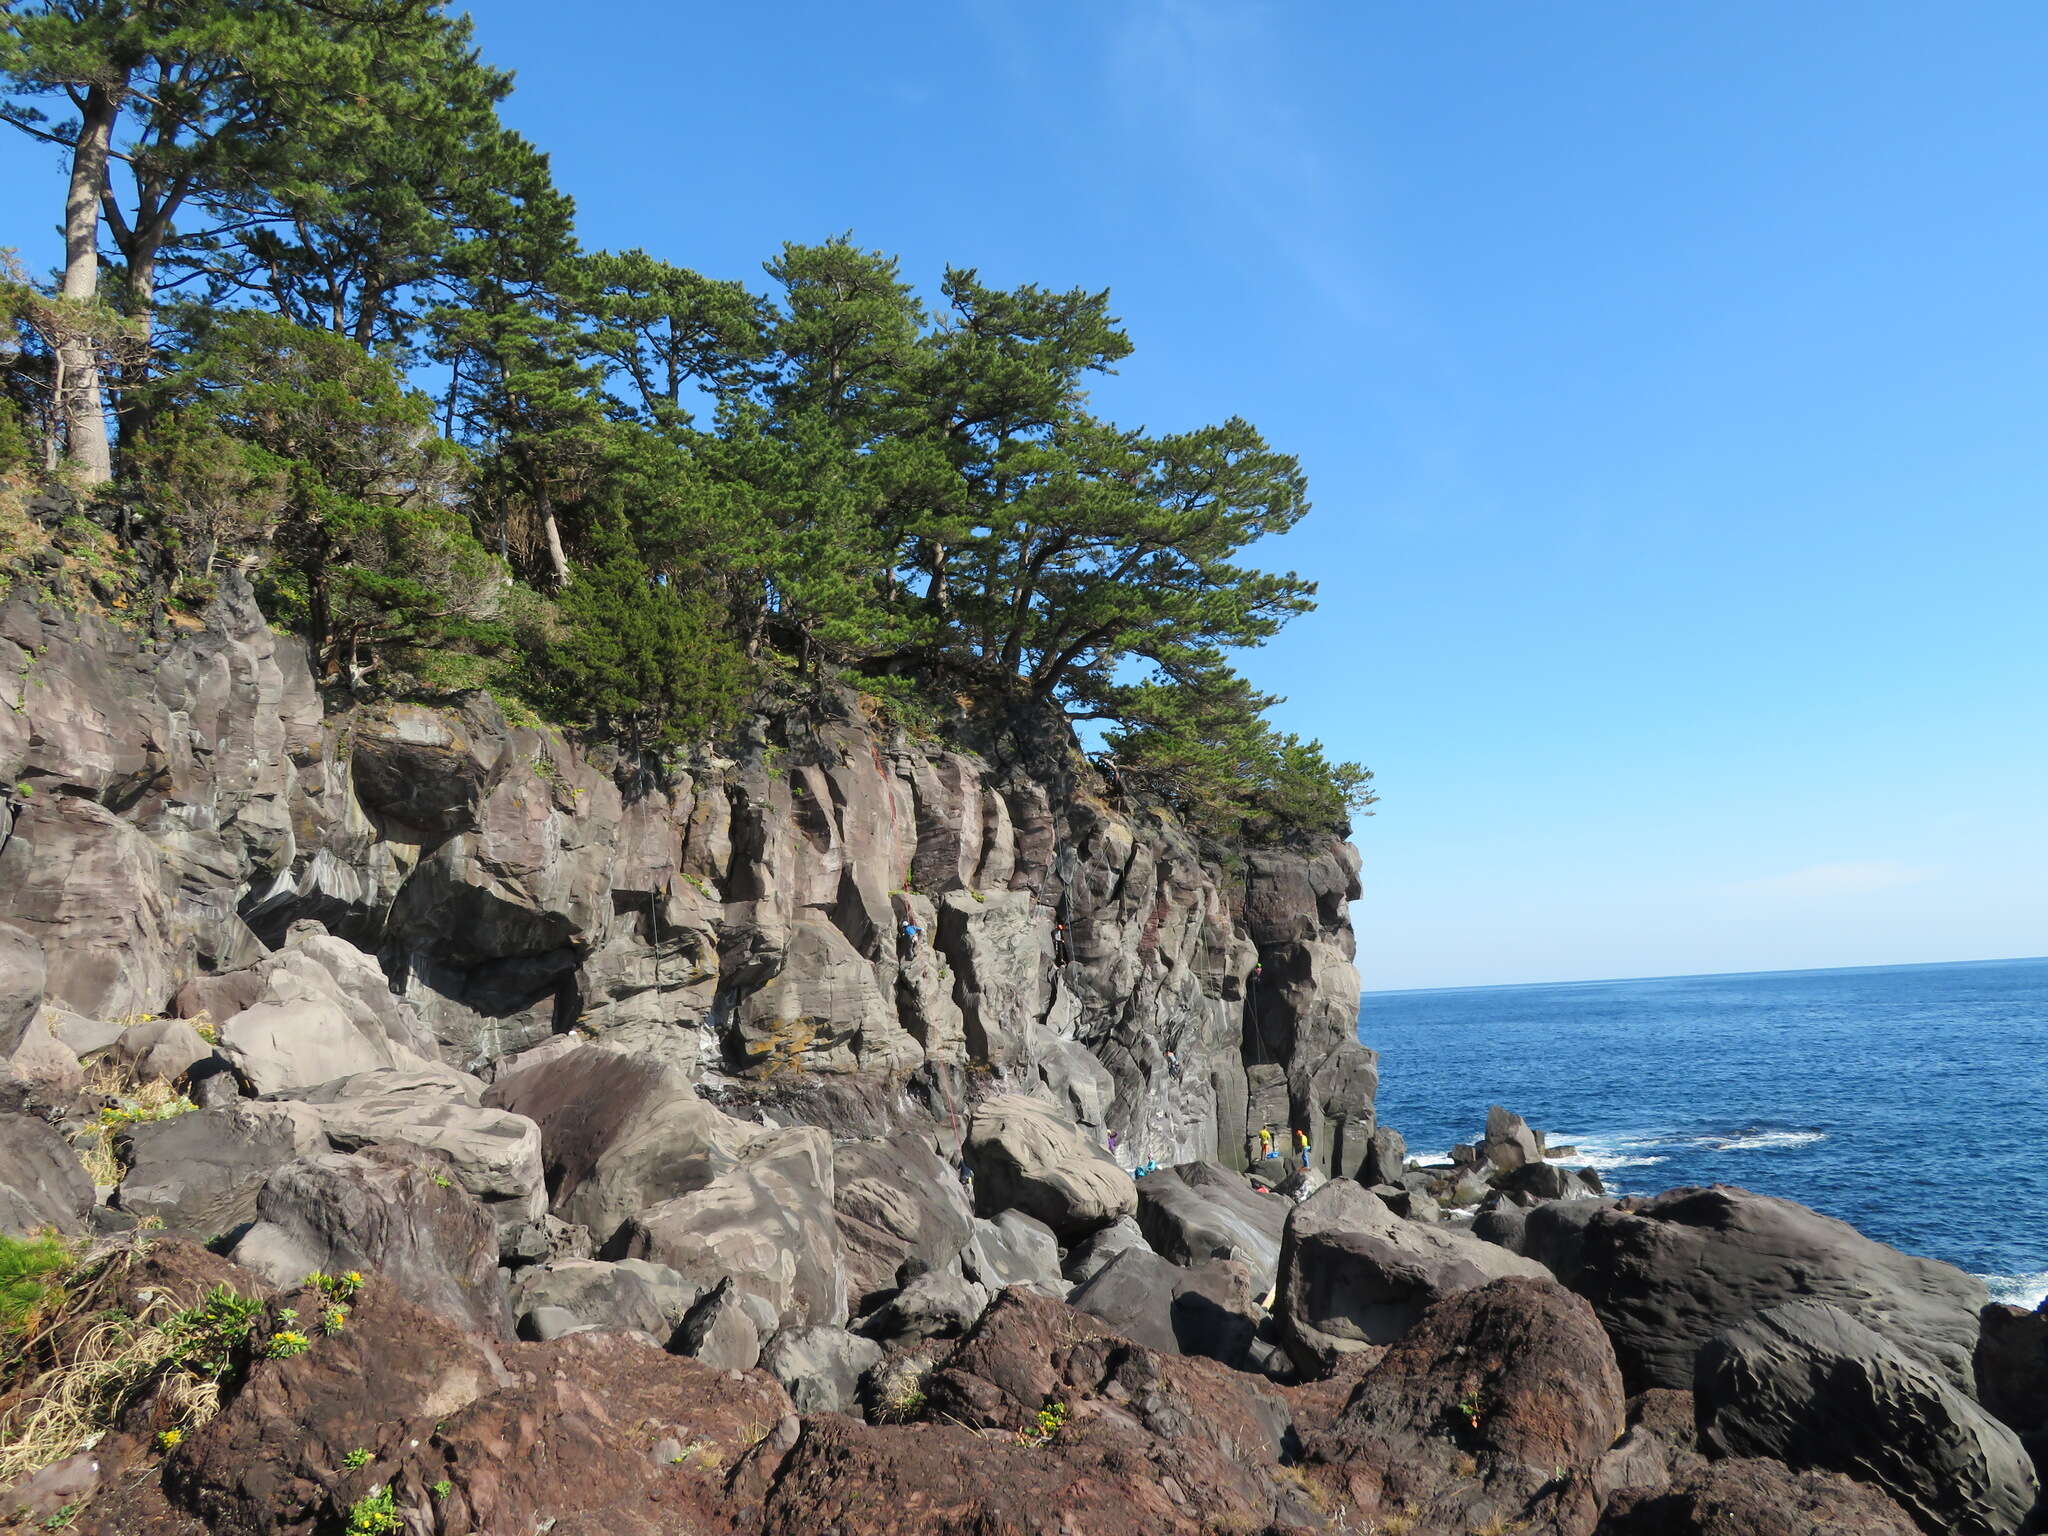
[171,803]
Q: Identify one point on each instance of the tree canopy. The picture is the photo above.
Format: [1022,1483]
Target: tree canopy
[321,316]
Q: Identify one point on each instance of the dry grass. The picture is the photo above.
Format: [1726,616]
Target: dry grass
[136,1102]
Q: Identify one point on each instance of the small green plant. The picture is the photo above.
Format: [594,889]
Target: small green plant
[443,1488]
[375,1514]
[356,1458]
[1045,1428]
[206,1030]
[62,1520]
[442,1181]
[26,790]
[333,1320]
[336,1288]
[977,895]
[286,1343]
[1470,1409]
[204,1338]
[169,1439]
[32,1271]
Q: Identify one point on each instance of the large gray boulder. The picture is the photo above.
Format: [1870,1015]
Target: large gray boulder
[2012,1374]
[1509,1143]
[933,1306]
[42,1183]
[1205,1310]
[21,983]
[1809,1385]
[1199,1211]
[767,1224]
[820,1368]
[1353,1274]
[276,1047]
[161,1048]
[393,1209]
[200,1173]
[620,1133]
[896,1203]
[1028,1156]
[1092,1255]
[630,1293]
[1014,1249]
[1667,1273]
[494,1154]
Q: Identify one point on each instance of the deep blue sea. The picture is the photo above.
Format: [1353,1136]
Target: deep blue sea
[1911,1100]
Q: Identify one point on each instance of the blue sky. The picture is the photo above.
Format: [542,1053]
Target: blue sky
[1671,382]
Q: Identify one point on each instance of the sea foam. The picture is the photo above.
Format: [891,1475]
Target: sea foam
[2018,1290]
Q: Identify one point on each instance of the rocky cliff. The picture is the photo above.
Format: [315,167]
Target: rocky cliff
[175,802]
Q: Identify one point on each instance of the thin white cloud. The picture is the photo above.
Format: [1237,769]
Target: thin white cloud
[1820,881]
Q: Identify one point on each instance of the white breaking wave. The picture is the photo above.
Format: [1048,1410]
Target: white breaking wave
[2018,1290]
[1605,1154]
[1764,1141]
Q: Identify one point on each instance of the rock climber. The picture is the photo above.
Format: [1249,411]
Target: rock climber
[911,932]
[1301,1145]
[1059,944]
[1265,1142]
[1112,1141]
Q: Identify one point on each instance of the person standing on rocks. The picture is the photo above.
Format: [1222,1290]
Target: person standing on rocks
[910,936]
[1059,945]
[1301,1145]
[1265,1142]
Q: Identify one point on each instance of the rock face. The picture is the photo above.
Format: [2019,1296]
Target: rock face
[2012,1374]
[1666,1273]
[1206,1310]
[1353,1274]
[1027,1156]
[200,1174]
[1806,1384]
[200,829]
[896,1203]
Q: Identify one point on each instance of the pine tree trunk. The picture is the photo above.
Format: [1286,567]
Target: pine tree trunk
[84,404]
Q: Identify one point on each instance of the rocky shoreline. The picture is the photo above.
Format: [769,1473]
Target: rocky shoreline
[752,1150]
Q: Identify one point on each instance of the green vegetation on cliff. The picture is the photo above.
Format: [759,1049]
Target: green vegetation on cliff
[325,320]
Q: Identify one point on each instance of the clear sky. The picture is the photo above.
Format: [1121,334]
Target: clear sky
[1671,380]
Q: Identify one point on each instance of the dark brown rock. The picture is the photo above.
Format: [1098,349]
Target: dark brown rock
[1747,1497]
[1496,1406]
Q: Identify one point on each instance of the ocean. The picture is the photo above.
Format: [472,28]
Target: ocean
[1911,1100]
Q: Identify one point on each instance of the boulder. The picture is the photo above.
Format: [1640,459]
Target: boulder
[1805,1383]
[278,1047]
[1386,1157]
[1495,1407]
[2012,1374]
[44,1068]
[932,1306]
[619,1133]
[1092,1255]
[628,1293]
[200,1173]
[1205,1310]
[1027,1156]
[394,1209]
[820,1368]
[1752,1497]
[1014,1249]
[1508,1143]
[896,1202]
[161,1048]
[1354,1274]
[1199,1211]
[495,1155]
[1666,1273]
[722,1330]
[768,1224]
[424,1083]
[1554,1234]
[42,1183]
[21,984]
[84,1037]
